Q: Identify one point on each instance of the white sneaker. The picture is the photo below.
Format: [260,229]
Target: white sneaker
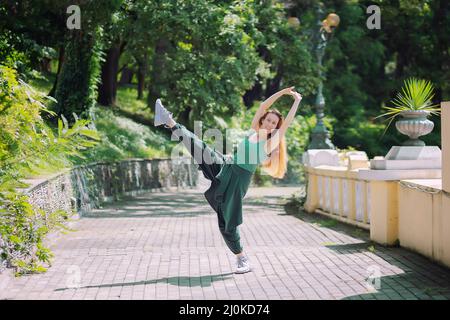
[243,265]
[162,116]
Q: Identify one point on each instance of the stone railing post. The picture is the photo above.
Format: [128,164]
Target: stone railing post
[445,139]
[313,158]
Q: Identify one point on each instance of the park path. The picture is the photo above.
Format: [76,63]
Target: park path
[166,245]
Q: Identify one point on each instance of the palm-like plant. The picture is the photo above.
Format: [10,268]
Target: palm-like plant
[416,95]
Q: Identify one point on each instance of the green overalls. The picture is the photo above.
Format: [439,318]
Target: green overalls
[230,178]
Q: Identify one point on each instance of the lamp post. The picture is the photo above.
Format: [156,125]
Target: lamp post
[320,137]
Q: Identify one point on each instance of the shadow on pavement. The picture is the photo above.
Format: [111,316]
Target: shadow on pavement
[407,286]
[419,277]
[133,213]
[204,281]
[154,206]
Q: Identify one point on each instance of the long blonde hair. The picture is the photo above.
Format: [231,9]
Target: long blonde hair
[276,169]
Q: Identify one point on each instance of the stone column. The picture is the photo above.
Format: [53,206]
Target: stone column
[384,208]
[312,199]
[445,138]
[311,159]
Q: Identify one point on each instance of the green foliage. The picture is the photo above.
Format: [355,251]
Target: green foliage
[30,32]
[297,139]
[41,82]
[214,64]
[22,230]
[27,147]
[286,57]
[126,100]
[76,90]
[364,67]
[11,57]
[206,54]
[121,138]
[416,94]
[77,83]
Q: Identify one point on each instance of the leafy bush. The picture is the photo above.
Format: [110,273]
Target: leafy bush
[28,146]
[22,230]
[121,138]
[416,94]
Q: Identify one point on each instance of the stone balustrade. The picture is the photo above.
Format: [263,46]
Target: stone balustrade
[402,198]
[335,187]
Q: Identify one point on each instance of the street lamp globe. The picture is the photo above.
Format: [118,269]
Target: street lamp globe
[331,22]
[294,22]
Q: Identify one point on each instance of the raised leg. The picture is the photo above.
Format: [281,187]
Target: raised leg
[208,160]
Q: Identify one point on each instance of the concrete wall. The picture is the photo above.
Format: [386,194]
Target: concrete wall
[85,187]
[424,206]
[424,221]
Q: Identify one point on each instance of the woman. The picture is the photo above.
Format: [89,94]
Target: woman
[231,175]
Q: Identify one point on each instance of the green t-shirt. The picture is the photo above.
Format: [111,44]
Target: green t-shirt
[249,154]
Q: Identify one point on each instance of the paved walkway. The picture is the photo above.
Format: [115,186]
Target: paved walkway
[168,246]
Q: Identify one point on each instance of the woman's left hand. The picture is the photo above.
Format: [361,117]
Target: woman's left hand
[297,96]
[286,90]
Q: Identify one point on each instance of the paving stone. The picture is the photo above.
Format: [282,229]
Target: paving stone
[166,245]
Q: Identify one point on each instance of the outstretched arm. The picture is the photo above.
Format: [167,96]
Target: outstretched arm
[266,105]
[274,141]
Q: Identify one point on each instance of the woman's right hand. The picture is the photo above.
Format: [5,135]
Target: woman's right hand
[297,96]
[286,90]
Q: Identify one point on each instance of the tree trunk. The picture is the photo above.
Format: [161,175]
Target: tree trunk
[252,94]
[274,84]
[142,71]
[45,65]
[108,87]
[60,62]
[126,76]
[256,93]
[141,83]
[156,76]
[73,91]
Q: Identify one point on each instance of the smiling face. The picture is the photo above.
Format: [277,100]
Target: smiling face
[269,122]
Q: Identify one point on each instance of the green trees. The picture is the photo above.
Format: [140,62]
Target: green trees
[366,67]
[212,60]
[29,146]
[76,91]
[77,82]
[203,55]
[205,58]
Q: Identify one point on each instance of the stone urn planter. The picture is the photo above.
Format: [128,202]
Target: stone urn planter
[414,123]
